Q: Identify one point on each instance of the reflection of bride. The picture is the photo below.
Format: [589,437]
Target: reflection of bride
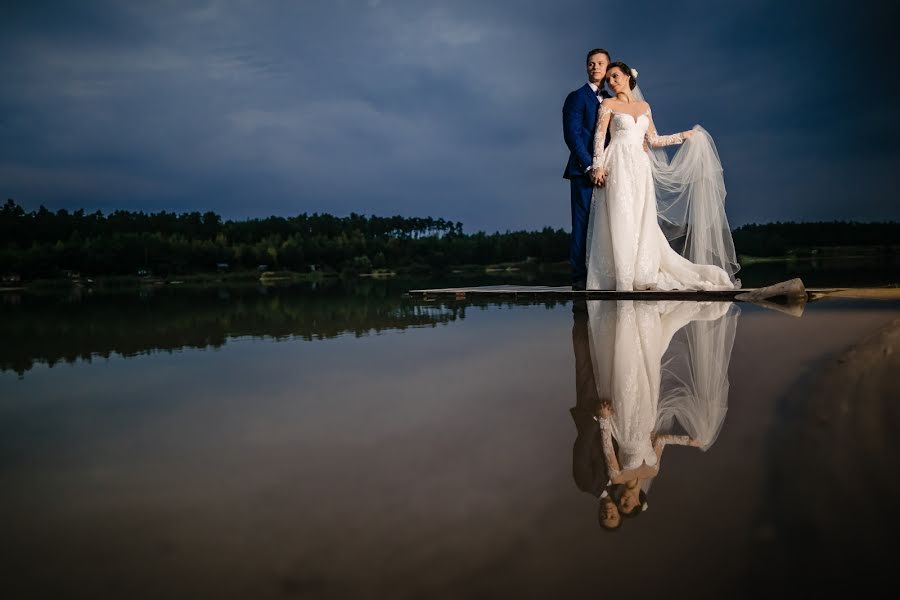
[661,371]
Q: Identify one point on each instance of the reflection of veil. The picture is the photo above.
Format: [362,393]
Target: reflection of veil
[694,381]
[690,196]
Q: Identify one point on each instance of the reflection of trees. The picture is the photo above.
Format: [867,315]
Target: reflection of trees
[50,329]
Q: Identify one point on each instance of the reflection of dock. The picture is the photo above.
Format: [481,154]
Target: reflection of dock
[786,291]
[788,296]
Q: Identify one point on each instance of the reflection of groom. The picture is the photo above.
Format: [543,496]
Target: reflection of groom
[588,461]
[579,122]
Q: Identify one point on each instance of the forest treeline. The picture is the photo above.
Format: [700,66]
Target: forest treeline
[45,243]
[778,239]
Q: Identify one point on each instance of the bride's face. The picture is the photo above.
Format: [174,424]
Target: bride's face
[630,499]
[617,80]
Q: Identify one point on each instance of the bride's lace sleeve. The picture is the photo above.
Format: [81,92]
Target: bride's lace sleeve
[612,463]
[603,117]
[655,140]
[679,440]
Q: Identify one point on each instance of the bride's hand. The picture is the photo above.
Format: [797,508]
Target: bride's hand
[605,409]
[688,134]
[598,176]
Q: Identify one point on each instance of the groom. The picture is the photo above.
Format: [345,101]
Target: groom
[579,122]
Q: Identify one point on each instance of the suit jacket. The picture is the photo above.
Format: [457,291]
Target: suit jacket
[579,122]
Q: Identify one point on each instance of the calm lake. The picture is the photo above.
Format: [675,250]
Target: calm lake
[342,441]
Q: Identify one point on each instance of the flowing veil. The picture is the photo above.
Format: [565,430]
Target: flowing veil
[690,195]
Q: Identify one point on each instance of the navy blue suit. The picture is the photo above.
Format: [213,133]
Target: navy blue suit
[579,121]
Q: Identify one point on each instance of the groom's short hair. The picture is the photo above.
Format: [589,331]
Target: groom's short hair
[596,51]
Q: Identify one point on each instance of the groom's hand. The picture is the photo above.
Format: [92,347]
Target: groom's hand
[598,176]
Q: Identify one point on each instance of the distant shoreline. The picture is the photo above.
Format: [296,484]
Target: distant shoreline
[276,277]
[845,257]
[43,244]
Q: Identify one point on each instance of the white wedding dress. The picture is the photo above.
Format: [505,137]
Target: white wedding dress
[626,247]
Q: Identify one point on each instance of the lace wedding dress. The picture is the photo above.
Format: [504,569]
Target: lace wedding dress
[626,247]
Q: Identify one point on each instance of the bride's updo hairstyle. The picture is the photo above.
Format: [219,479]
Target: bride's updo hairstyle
[626,70]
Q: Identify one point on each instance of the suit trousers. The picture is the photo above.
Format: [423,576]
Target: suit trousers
[582,190]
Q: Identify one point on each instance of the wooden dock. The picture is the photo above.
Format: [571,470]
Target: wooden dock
[788,292]
[538,292]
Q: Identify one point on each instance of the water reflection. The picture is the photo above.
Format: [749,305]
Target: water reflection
[48,328]
[647,375]
[431,461]
[51,328]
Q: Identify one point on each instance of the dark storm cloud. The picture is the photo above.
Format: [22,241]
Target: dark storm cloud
[445,109]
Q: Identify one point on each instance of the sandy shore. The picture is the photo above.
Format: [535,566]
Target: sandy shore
[831,514]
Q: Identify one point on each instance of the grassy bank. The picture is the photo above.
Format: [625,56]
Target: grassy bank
[826,253]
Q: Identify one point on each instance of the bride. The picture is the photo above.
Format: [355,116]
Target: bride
[637,188]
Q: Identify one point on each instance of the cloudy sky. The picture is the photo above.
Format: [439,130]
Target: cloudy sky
[445,109]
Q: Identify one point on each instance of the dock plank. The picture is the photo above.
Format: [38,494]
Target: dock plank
[566,292]
[791,292]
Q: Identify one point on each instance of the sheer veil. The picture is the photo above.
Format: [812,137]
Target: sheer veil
[690,195]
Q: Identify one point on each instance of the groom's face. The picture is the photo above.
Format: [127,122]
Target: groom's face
[596,67]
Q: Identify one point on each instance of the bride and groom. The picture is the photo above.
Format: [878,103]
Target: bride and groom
[625,190]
